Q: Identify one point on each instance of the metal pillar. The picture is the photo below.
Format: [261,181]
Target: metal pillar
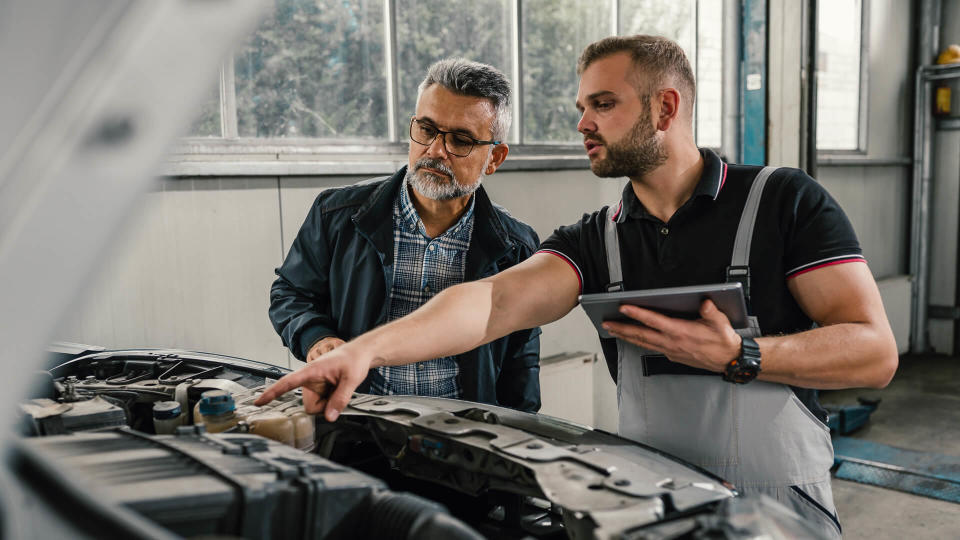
[920,219]
[753,83]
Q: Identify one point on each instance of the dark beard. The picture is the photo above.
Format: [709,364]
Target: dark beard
[637,154]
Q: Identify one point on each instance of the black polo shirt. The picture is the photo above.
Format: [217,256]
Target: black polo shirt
[799,228]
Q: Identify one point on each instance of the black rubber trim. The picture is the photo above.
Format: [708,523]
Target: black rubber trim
[818,506]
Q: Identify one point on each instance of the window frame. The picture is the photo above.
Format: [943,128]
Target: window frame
[863,109]
[232,155]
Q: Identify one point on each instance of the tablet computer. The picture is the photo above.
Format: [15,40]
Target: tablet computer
[678,302]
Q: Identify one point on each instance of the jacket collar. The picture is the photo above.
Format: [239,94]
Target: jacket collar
[490,239]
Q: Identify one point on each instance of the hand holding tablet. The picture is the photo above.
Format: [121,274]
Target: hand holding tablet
[679,302]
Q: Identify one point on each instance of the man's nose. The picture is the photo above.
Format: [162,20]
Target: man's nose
[437,148]
[586,123]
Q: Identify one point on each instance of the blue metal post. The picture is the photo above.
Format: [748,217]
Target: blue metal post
[753,83]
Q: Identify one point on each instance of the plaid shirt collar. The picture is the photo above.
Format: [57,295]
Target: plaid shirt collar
[411,219]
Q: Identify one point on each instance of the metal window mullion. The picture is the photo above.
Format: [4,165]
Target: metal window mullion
[516,44]
[615,17]
[228,100]
[696,69]
[390,57]
[864,100]
[730,124]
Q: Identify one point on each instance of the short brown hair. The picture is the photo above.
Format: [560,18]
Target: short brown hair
[656,56]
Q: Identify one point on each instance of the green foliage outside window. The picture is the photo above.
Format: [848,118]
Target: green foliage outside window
[314,69]
[318,68]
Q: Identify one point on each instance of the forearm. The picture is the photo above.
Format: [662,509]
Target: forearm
[844,355]
[456,320]
[540,290]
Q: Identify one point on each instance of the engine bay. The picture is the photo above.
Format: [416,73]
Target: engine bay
[175,437]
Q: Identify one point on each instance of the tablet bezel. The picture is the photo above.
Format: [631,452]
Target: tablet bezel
[681,302]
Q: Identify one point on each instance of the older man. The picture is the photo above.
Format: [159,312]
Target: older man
[740,404]
[376,251]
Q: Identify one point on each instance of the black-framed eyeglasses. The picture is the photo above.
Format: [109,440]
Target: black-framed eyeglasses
[458,144]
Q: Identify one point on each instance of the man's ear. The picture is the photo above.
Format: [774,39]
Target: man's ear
[499,154]
[669,108]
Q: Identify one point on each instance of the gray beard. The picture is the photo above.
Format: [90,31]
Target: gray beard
[633,156]
[438,188]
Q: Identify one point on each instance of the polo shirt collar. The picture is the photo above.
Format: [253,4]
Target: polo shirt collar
[711,182]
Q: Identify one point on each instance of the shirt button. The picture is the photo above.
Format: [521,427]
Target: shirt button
[432,247]
[426,289]
[664,231]
[420,366]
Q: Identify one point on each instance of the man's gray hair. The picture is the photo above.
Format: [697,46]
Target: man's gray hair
[477,80]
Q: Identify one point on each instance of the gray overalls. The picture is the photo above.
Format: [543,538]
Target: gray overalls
[759,435]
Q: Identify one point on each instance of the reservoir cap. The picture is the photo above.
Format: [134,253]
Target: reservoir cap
[216,402]
[166,410]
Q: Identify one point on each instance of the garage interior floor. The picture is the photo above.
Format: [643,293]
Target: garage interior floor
[920,411]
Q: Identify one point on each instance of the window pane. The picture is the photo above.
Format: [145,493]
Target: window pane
[314,69]
[668,18]
[709,73]
[838,75]
[677,20]
[430,30]
[207,123]
[554,34]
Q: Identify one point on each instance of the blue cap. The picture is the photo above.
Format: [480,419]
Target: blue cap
[216,402]
[166,410]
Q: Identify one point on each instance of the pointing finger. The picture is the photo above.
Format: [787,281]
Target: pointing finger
[282,386]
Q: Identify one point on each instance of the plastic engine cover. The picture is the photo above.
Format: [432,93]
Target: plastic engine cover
[195,483]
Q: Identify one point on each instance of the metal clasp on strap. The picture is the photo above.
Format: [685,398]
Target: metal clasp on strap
[616,286]
[740,274]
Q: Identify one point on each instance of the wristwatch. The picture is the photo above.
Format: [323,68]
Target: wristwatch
[746,367]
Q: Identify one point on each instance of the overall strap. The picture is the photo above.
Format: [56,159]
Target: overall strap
[613,246]
[739,269]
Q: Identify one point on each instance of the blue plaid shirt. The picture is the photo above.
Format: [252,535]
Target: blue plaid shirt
[423,267]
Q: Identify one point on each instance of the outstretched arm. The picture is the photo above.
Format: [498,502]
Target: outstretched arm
[537,291]
[853,347]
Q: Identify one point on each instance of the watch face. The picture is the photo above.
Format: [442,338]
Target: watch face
[746,368]
[743,372]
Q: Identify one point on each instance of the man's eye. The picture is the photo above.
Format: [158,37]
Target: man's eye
[462,140]
[603,105]
[428,130]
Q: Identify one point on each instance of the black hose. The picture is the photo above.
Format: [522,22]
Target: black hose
[402,516]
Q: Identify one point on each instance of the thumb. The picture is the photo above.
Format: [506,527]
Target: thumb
[709,311]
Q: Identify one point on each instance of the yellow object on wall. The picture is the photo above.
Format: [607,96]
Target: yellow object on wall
[950,55]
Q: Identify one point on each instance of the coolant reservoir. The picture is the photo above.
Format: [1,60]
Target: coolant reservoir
[273,425]
[283,419]
[290,407]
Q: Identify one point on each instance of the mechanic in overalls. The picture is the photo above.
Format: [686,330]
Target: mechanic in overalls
[739,403]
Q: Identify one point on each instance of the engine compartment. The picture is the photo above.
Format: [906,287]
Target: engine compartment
[499,472]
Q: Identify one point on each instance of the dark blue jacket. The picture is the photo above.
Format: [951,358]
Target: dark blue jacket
[337,277]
